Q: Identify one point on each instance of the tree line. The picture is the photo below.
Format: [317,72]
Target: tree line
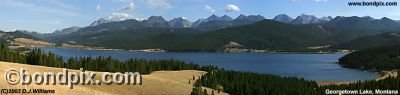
[11,56]
[104,64]
[246,83]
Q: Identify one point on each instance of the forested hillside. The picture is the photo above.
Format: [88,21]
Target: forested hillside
[390,38]
[266,34]
[245,83]
[380,58]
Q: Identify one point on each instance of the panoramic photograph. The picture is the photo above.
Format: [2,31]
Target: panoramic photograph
[199,47]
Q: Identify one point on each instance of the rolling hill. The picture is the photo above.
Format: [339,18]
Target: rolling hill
[19,38]
[390,38]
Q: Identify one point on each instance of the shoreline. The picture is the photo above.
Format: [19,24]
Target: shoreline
[384,75]
[160,50]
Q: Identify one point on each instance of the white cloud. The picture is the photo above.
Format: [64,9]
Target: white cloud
[98,7]
[153,4]
[232,8]
[210,9]
[121,17]
[35,8]
[161,4]
[130,6]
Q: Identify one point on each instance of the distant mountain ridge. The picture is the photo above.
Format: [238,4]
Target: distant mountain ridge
[180,22]
[283,18]
[213,22]
[66,30]
[329,31]
[363,23]
[265,34]
[156,21]
[250,19]
[302,19]
[10,37]
[309,19]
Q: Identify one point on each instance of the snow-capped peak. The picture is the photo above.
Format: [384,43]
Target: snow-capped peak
[114,17]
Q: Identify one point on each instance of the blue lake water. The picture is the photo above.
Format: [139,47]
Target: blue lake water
[308,66]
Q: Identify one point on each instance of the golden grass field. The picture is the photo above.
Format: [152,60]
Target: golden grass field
[157,83]
[30,42]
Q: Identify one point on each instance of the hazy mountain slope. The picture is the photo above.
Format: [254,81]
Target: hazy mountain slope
[266,34]
[19,38]
[283,18]
[215,22]
[306,19]
[366,24]
[131,39]
[391,38]
[180,23]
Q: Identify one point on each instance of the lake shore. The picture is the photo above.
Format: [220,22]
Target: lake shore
[384,75]
[81,47]
[85,47]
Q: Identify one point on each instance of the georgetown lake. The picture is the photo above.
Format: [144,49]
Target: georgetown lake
[321,67]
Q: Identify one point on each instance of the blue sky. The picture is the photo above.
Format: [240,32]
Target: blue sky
[49,15]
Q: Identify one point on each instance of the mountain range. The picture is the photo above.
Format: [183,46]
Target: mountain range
[212,33]
[302,19]
[213,22]
[261,35]
[365,23]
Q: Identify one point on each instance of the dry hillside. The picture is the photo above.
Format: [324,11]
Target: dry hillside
[157,83]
